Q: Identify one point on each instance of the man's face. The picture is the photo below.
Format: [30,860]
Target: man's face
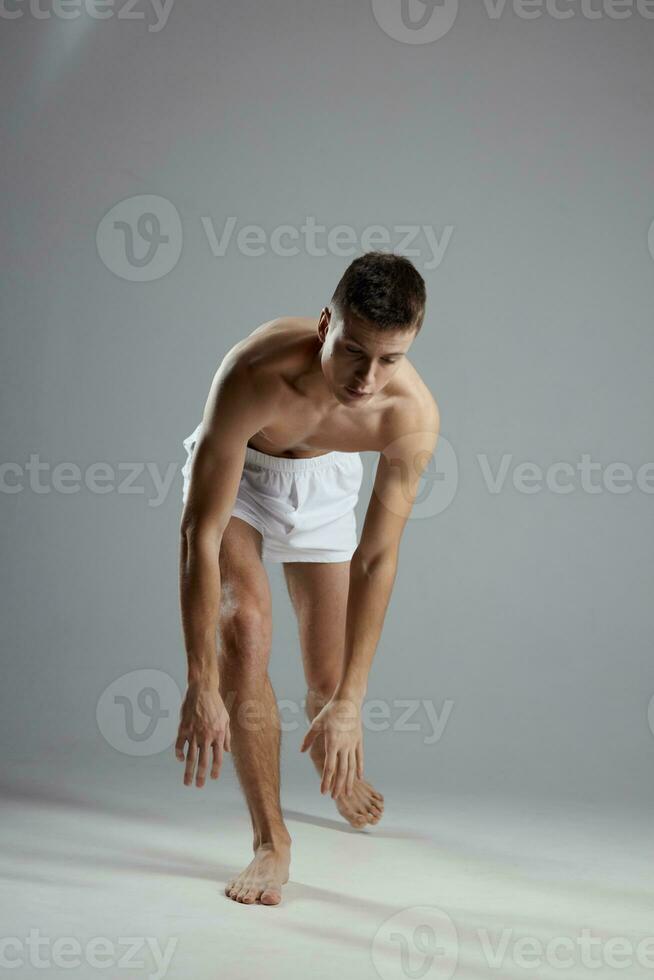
[357,356]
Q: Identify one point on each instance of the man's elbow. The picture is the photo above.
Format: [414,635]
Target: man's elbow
[199,528]
[382,561]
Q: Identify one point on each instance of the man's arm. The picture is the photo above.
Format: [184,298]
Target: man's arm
[374,563]
[236,408]
[372,573]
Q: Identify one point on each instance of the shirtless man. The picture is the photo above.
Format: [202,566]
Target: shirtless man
[273,473]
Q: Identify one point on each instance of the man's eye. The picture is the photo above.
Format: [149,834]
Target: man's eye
[352,350]
[388,360]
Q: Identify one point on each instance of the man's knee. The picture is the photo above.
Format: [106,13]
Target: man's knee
[245,626]
[321,687]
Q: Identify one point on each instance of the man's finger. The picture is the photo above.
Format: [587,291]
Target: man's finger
[349,786]
[327,772]
[227,743]
[341,774]
[203,762]
[308,739]
[217,759]
[191,756]
[179,747]
[360,761]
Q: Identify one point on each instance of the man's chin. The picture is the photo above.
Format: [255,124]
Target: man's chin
[345,398]
[350,398]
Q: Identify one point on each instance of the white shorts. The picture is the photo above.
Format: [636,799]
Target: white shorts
[303,508]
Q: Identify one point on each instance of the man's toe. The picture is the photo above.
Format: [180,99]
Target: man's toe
[271,895]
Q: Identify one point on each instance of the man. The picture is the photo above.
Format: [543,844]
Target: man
[273,473]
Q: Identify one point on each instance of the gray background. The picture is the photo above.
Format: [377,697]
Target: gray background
[533,139]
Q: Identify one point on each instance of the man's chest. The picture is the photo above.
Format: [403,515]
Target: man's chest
[304,431]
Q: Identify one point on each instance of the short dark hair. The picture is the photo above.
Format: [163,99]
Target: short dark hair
[383,288]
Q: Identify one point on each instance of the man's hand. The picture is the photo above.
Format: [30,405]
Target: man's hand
[340,724]
[204,724]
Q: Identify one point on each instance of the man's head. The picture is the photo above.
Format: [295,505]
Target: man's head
[376,312]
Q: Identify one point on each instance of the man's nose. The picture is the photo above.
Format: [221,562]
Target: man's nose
[366,378]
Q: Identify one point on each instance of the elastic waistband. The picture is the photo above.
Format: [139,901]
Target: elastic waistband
[286,464]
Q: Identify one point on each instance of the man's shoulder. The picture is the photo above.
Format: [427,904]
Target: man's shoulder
[257,367]
[411,422]
[412,408]
[267,348]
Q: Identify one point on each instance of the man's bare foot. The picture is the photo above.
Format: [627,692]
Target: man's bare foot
[364,805]
[264,876]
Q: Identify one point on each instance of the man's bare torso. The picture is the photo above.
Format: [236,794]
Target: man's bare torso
[310,421]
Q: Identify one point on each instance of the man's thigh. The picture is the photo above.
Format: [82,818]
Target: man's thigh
[318,592]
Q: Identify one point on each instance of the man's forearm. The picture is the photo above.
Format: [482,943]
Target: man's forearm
[200,603]
[368,597]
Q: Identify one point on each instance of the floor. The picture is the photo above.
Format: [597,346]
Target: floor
[115,869]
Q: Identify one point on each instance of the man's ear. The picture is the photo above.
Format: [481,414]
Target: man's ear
[323,322]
